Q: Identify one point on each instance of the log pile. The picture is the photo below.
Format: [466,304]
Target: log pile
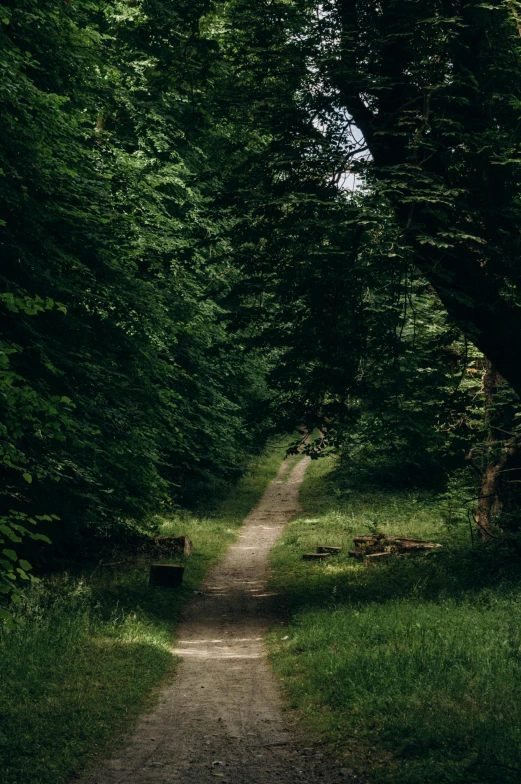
[375,546]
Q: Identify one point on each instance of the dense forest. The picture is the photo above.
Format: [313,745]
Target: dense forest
[220,221]
[224,220]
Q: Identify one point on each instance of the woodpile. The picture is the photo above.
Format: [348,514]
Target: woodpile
[375,546]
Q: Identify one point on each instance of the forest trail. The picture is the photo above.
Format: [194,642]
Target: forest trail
[221,719]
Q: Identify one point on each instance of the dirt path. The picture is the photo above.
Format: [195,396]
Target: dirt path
[221,719]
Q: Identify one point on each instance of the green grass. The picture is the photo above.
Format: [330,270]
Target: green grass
[410,669]
[91,651]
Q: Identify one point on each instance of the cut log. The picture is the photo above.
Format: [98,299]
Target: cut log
[326,548]
[417,545]
[166,575]
[184,544]
[315,556]
[369,539]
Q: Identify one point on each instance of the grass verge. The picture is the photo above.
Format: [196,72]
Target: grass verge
[410,669]
[90,651]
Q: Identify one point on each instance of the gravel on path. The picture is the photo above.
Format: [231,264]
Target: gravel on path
[221,719]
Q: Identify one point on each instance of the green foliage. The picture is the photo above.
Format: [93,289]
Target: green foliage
[122,387]
[13,528]
[347,291]
[184,263]
[409,668]
[433,89]
[69,672]
[87,650]
[357,340]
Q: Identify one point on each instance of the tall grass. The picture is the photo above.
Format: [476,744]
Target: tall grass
[411,669]
[89,651]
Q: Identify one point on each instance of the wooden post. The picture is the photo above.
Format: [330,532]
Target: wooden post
[166,575]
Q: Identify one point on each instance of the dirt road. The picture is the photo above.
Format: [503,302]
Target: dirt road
[221,719]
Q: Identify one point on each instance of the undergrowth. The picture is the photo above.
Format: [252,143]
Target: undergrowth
[89,650]
[410,669]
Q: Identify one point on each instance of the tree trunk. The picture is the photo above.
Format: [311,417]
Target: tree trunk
[499,454]
[414,115]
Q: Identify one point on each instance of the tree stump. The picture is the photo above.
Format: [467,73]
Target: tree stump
[170,544]
[166,575]
[185,544]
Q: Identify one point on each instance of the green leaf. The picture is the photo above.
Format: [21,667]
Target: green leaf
[28,478]
[40,538]
[10,554]
[5,529]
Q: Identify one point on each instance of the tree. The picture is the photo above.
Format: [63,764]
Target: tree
[434,88]
[122,386]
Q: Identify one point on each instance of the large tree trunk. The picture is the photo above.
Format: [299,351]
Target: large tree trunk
[442,142]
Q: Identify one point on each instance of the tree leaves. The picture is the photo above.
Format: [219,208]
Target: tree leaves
[122,387]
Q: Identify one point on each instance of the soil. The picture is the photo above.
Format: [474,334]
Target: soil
[222,717]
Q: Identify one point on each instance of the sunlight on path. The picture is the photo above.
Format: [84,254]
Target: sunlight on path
[222,716]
